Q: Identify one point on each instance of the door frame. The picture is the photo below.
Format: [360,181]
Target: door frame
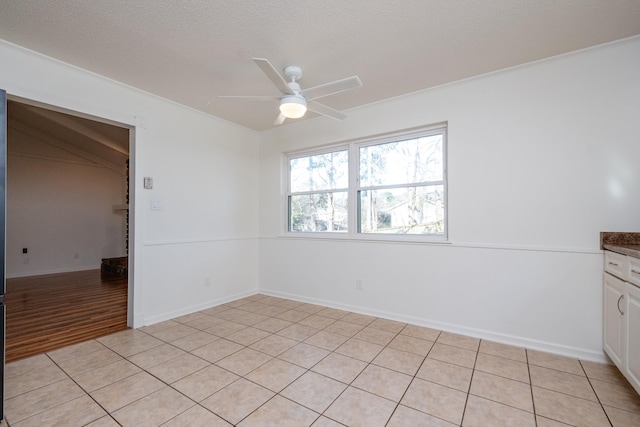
[136,127]
[3,236]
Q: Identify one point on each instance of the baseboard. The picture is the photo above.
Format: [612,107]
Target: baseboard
[53,271]
[194,308]
[579,353]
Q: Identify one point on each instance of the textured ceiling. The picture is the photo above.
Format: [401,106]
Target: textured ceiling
[194,51]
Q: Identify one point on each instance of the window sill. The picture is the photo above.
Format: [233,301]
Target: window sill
[345,237]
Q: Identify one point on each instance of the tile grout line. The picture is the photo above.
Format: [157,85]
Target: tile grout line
[350,384]
[410,382]
[276,357]
[215,364]
[237,379]
[146,371]
[41,387]
[369,364]
[474,369]
[473,372]
[594,392]
[413,379]
[306,371]
[571,395]
[533,402]
[81,388]
[127,358]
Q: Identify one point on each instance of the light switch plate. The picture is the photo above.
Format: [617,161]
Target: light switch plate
[148,183]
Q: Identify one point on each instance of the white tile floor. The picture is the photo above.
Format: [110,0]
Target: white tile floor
[265,361]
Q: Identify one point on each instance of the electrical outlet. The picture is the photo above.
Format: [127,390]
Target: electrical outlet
[359,285]
[207,282]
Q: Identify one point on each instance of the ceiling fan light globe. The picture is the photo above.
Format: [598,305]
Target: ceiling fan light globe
[293,107]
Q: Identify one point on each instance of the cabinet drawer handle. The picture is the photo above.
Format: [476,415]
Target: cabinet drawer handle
[620,299]
[613,263]
[635,272]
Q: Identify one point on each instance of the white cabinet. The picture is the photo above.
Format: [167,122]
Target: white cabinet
[614,320]
[622,314]
[633,332]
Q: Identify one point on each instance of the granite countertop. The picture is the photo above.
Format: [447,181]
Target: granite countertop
[630,250]
[622,243]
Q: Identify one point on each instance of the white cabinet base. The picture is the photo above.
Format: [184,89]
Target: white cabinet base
[622,315]
[614,320]
[632,351]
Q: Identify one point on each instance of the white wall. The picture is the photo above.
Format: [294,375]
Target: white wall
[60,208]
[204,171]
[541,158]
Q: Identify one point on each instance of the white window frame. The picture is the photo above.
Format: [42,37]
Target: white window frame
[353,148]
[289,193]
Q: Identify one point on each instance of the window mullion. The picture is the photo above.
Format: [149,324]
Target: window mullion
[412,184]
[354,182]
[307,193]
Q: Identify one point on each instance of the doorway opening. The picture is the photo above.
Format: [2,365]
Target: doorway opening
[67,255]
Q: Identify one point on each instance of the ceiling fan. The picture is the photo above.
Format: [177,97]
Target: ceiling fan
[295,101]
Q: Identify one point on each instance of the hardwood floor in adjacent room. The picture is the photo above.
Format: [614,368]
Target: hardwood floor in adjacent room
[55,310]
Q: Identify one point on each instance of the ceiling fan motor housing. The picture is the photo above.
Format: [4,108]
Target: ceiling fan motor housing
[292,72]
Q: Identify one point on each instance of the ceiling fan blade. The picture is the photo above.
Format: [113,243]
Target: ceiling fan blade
[273,74]
[279,120]
[331,88]
[252,97]
[316,107]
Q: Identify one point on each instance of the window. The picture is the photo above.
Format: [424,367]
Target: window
[401,186]
[318,192]
[379,187]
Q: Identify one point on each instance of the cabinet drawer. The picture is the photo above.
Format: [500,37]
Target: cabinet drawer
[633,271]
[616,264]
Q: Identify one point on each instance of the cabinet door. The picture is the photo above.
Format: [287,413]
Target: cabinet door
[614,319]
[633,332]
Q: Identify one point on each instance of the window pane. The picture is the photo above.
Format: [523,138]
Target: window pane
[403,162]
[412,210]
[320,172]
[318,212]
